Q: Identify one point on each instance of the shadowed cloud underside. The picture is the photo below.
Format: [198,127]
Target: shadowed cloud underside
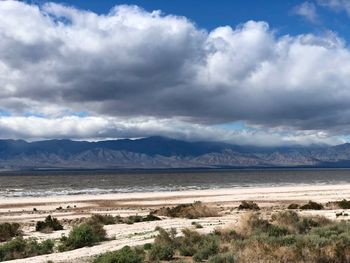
[72,73]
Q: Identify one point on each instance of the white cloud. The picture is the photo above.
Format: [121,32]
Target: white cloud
[308,11]
[97,128]
[134,65]
[337,5]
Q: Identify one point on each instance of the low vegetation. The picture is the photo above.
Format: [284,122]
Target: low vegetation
[85,234]
[227,257]
[164,245]
[104,219]
[23,248]
[196,225]
[110,220]
[248,205]
[343,204]
[291,238]
[312,206]
[48,225]
[293,206]
[8,231]
[137,219]
[124,255]
[283,237]
[190,211]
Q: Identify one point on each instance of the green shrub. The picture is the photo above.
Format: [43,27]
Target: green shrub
[227,235]
[208,246]
[137,219]
[103,219]
[21,248]
[222,258]
[199,246]
[48,225]
[8,231]
[287,219]
[196,225]
[296,224]
[45,247]
[277,231]
[305,225]
[134,219]
[161,252]
[147,246]
[164,245]
[82,236]
[293,206]
[312,206]
[166,237]
[150,217]
[124,255]
[248,205]
[251,223]
[189,243]
[343,204]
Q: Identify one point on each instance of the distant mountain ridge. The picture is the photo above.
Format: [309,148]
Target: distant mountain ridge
[160,152]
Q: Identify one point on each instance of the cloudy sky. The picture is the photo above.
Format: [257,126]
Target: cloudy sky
[248,72]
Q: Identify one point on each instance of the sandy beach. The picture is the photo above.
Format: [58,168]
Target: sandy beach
[29,210]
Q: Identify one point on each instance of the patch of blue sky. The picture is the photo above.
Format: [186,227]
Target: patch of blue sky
[233,126]
[4,113]
[345,138]
[81,114]
[209,14]
[67,113]
[34,114]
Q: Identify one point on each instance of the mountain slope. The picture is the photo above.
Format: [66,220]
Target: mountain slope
[160,152]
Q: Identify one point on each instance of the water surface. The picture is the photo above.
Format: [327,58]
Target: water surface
[49,183]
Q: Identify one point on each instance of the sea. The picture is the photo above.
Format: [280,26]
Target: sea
[96,182]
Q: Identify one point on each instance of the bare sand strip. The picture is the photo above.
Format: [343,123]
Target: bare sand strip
[264,194]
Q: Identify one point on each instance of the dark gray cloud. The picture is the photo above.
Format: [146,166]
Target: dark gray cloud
[136,65]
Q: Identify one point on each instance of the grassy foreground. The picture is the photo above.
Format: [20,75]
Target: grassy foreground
[85,233]
[285,237]
[275,237]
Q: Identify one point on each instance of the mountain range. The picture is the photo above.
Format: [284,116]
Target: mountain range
[160,152]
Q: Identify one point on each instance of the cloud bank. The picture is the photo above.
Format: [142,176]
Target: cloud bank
[135,73]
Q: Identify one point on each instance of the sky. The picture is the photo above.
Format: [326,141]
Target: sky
[245,72]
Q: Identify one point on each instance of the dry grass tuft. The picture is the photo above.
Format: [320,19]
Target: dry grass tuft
[190,211]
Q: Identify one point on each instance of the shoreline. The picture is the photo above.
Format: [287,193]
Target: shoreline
[272,193]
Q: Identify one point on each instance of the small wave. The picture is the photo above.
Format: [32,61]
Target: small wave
[61,191]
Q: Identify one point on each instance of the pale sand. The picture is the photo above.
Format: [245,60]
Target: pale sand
[272,198]
[212,195]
